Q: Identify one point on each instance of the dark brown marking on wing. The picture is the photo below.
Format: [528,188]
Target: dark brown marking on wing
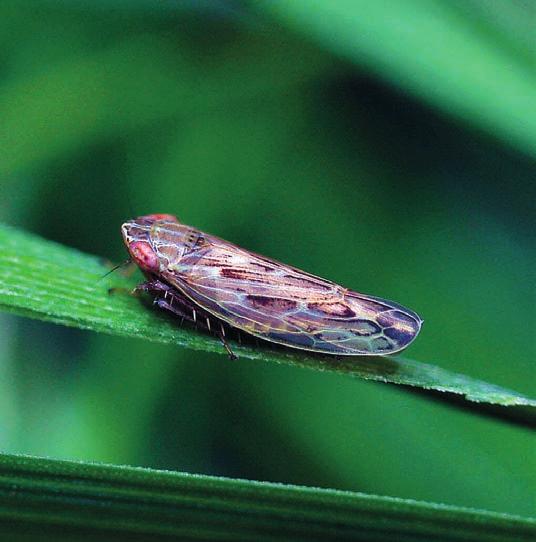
[262,267]
[272,303]
[302,281]
[287,280]
[199,242]
[238,274]
[332,309]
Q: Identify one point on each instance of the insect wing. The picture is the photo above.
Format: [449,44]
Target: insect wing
[281,304]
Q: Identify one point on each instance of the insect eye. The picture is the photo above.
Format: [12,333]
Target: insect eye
[161,216]
[144,256]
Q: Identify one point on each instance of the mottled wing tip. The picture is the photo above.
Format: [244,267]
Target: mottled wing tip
[400,328]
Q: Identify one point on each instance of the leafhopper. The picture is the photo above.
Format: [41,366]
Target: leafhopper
[219,286]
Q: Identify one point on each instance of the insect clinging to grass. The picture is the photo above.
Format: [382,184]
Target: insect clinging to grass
[218,285]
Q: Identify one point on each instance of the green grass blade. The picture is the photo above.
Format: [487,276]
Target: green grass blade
[36,107]
[448,55]
[44,280]
[45,499]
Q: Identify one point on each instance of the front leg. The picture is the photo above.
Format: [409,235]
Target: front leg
[153,286]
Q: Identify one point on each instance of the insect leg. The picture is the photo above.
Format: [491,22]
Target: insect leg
[232,355]
[170,299]
[163,304]
[154,287]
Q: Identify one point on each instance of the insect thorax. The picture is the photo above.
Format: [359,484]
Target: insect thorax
[171,241]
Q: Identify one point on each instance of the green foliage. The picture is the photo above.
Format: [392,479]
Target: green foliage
[82,501]
[389,147]
[418,45]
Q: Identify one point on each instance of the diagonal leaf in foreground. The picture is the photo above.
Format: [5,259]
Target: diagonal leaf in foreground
[56,500]
[44,280]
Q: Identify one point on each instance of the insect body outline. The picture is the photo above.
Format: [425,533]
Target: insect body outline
[198,276]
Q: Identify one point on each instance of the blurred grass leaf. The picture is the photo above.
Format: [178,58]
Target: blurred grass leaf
[99,95]
[44,280]
[417,45]
[45,499]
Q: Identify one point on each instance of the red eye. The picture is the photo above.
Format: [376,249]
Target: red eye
[144,256]
[162,216]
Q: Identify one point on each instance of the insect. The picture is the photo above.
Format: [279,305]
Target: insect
[218,285]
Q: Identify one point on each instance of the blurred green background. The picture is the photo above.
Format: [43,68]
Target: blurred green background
[389,146]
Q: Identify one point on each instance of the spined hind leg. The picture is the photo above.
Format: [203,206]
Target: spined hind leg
[170,299]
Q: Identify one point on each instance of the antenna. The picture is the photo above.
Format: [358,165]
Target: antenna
[115,268]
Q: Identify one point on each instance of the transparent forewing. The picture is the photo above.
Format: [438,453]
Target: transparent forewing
[282,304]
